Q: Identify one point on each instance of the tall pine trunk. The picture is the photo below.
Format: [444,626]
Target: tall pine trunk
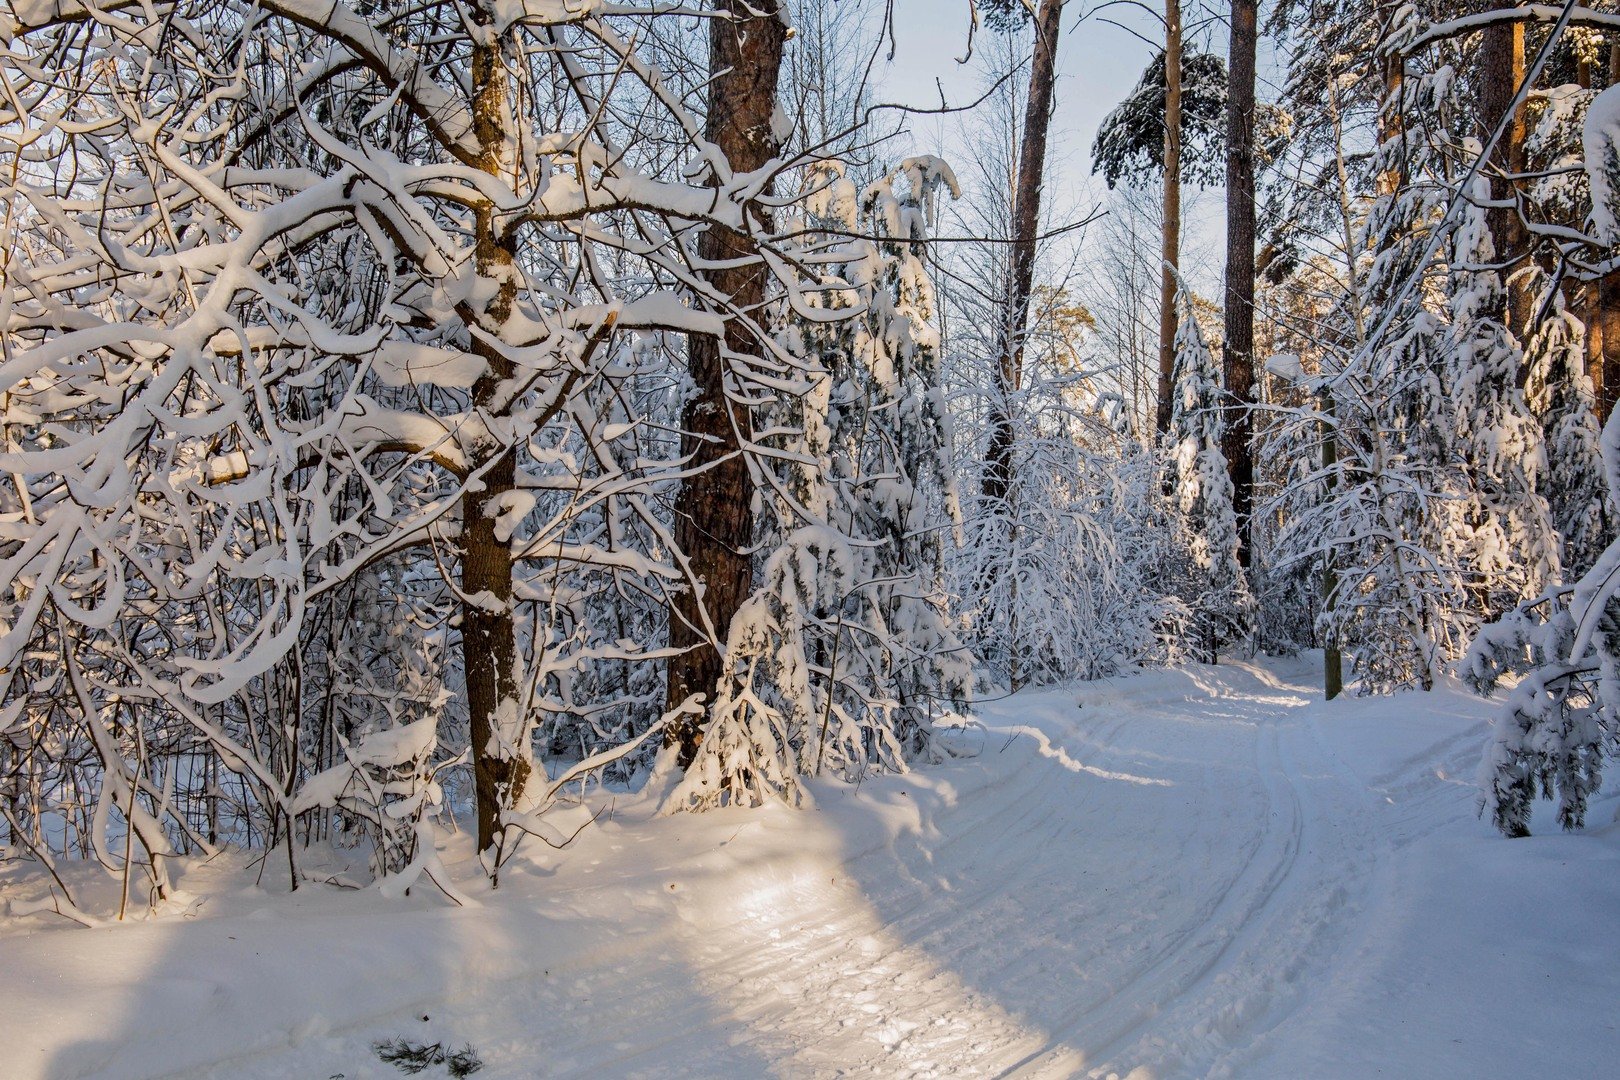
[1170,253]
[1603,315]
[1240,227]
[1501,63]
[1026,227]
[713,517]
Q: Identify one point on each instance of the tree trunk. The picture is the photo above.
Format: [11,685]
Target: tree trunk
[1390,118]
[1603,315]
[1026,227]
[1240,227]
[1605,326]
[713,516]
[500,734]
[1332,656]
[501,754]
[1170,252]
[1501,63]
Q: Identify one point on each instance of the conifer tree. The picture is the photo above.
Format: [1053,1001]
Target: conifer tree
[843,654]
[1378,507]
[1215,587]
[1561,721]
[1503,532]
[1560,394]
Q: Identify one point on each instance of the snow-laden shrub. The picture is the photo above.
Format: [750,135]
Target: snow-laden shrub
[1375,513]
[1558,723]
[1071,575]
[387,782]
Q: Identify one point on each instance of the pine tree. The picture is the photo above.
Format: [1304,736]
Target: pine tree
[1397,609]
[1503,531]
[1560,394]
[1378,507]
[844,653]
[1215,587]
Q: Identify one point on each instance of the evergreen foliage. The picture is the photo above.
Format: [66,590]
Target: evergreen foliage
[1559,393]
[1213,585]
[1130,141]
[1501,529]
[844,654]
[1560,723]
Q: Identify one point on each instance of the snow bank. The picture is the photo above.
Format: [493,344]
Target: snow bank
[1198,873]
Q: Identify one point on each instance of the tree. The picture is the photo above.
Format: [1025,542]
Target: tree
[1130,142]
[1504,532]
[1213,584]
[1558,726]
[1376,511]
[400,329]
[1169,127]
[1447,437]
[1560,395]
[714,521]
[1238,345]
[1501,71]
[1031,176]
[844,652]
[1040,590]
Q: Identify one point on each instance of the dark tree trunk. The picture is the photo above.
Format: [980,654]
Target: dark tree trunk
[1026,227]
[1240,228]
[488,641]
[1603,326]
[1170,253]
[500,750]
[1603,315]
[1501,63]
[713,520]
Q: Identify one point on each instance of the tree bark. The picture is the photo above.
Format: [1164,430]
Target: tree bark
[1332,655]
[1026,228]
[1603,315]
[1170,251]
[713,516]
[1390,120]
[1501,62]
[1240,228]
[1604,326]
[500,739]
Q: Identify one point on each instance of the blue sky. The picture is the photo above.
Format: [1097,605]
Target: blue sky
[1097,65]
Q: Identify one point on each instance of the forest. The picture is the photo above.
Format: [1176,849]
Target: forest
[740,538]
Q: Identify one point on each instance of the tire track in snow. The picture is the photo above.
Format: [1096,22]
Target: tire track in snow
[1227,920]
[1235,969]
[1153,891]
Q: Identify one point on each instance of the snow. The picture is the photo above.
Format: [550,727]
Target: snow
[1286,366]
[1599,131]
[1202,872]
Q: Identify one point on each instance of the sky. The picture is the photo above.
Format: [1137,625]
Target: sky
[1099,62]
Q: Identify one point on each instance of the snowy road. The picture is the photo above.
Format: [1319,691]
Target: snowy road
[1186,874]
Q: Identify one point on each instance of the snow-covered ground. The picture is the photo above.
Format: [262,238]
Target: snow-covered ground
[1205,872]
